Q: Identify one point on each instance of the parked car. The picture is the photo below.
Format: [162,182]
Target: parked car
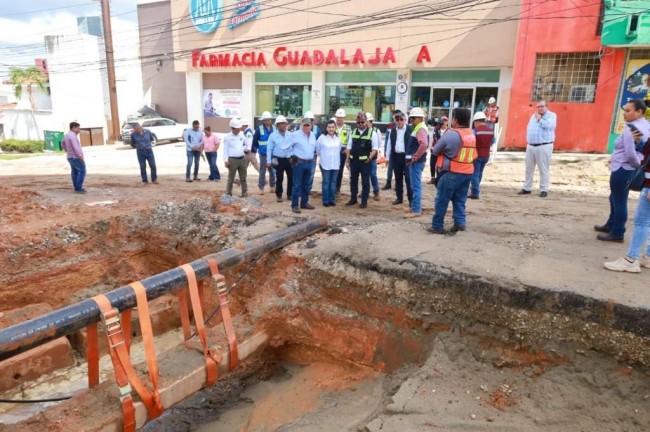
[162,129]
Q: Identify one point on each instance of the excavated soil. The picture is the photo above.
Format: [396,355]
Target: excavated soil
[356,343]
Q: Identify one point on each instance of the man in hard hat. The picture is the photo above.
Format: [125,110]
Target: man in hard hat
[361,149]
[456,151]
[376,137]
[302,144]
[278,156]
[416,158]
[315,129]
[260,142]
[491,112]
[343,131]
[396,155]
[234,144]
[484,140]
[251,151]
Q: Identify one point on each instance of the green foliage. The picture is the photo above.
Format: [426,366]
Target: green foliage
[27,77]
[22,146]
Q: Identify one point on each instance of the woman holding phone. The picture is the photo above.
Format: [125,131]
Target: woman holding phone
[625,159]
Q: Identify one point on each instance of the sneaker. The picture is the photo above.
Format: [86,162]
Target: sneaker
[645,261]
[623,265]
[155,182]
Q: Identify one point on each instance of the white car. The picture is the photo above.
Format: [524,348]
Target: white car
[161,129]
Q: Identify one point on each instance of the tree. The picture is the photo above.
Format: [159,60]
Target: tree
[27,77]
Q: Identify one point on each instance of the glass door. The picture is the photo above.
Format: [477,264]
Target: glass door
[440,101]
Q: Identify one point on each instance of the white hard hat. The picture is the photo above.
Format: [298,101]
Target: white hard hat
[309,115]
[491,101]
[235,123]
[479,116]
[333,119]
[266,116]
[280,119]
[369,117]
[244,122]
[417,112]
[340,113]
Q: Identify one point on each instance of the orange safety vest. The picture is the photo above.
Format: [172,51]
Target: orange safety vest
[463,162]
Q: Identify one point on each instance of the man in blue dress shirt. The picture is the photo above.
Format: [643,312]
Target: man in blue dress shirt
[142,139]
[302,144]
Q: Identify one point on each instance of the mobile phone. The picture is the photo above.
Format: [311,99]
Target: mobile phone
[632,127]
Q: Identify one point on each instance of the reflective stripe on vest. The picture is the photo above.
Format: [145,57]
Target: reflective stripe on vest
[361,145]
[463,162]
[344,133]
[264,135]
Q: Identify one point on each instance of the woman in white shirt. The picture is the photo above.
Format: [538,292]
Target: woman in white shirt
[328,150]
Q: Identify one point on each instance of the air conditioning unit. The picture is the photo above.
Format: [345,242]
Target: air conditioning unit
[582,93]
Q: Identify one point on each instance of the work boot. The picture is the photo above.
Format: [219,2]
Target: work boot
[386,186]
[376,196]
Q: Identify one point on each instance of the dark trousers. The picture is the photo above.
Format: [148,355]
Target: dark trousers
[398,160]
[284,166]
[301,176]
[389,174]
[145,156]
[618,201]
[212,162]
[432,165]
[359,168]
[339,179]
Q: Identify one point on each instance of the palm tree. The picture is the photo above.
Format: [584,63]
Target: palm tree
[27,77]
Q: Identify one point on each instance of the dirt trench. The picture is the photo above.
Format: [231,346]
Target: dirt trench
[352,347]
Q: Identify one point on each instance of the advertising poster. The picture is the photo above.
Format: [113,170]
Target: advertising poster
[222,103]
[636,86]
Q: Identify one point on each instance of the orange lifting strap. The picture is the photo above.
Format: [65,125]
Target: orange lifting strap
[119,352]
[226,318]
[211,361]
[92,346]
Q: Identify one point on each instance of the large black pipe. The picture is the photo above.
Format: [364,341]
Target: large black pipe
[21,337]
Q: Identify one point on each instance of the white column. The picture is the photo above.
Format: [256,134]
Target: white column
[317,92]
[194,94]
[403,89]
[248,96]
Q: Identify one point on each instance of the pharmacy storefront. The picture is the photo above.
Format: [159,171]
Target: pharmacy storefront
[241,59]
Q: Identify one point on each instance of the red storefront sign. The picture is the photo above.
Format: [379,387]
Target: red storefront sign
[285,57]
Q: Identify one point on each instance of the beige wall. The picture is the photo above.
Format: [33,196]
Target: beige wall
[165,86]
[448,39]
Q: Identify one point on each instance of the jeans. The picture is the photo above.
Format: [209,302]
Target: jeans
[618,201]
[479,166]
[143,157]
[78,173]
[284,166]
[339,178]
[359,168]
[415,175]
[212,162]
[237,166]
[192,156]
[398,162]
[641,226]
[329,185]
[373,176]
[301,174]
[389,174]
[263,169]
[451,187]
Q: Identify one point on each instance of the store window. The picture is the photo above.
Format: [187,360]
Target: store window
[367,91]
[288,94]
[566,77]
[439,99]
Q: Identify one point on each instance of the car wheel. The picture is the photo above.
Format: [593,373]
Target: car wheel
[154,140]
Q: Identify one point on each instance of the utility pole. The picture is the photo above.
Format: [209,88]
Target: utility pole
[110,67]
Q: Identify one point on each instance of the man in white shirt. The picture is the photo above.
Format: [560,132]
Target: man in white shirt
[396,154]
[234,145]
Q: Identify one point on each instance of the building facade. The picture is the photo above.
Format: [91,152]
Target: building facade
[559,57]
[240,58]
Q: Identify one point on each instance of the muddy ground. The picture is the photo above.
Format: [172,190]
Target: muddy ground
[528,265]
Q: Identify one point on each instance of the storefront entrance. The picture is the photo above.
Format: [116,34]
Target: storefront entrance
[438,100]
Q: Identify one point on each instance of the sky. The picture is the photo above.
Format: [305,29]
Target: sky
[25,23]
